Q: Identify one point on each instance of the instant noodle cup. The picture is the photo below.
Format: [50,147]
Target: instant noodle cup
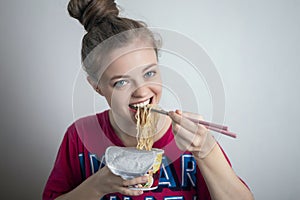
[129,163]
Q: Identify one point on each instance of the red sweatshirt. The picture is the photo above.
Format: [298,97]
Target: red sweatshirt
[81,154]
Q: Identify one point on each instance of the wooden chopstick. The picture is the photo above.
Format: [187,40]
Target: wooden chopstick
[209,125]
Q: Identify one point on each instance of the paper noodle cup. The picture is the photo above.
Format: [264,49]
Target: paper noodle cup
[130,163]
[156,168]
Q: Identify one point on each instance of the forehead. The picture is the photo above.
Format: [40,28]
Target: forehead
[130,58]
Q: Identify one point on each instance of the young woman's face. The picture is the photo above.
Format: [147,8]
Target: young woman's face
[133,78]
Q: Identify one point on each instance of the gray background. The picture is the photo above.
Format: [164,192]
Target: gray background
[255,46]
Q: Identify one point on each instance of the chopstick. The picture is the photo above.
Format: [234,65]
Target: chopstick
[209,125]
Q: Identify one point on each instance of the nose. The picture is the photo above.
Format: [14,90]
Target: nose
[141,91]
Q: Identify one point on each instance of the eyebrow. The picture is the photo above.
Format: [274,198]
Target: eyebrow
[126,76]
[149,66]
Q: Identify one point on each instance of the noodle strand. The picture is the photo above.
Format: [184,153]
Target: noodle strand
[146,127]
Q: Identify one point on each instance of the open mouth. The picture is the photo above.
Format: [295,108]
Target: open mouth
[135,106]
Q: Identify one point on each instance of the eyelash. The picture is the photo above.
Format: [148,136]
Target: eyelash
[122,83]
[116,84]
[152,74]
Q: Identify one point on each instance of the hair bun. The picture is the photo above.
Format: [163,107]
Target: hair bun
[92,12]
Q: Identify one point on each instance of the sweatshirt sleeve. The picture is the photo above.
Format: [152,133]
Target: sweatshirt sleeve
[66,174]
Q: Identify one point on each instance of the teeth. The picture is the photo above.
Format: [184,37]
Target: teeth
[143,104]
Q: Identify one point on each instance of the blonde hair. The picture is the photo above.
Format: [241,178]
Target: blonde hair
[101,20]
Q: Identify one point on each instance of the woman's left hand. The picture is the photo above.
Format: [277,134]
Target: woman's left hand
[191,136]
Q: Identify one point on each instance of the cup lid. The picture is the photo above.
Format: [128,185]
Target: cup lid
[129,162]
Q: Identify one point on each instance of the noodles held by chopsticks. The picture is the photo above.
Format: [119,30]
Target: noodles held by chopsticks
[146,127]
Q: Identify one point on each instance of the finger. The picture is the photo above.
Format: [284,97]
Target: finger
[181,143]
[184,122]
[113,179]
[189,115]
[135,181]
[178,119]
[182,134]
[128,192]
[192,115]
[189,139]
[187,145]
[175,116]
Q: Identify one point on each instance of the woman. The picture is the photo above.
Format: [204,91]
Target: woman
[120,58]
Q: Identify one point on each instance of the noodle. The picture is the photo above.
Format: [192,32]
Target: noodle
[146,127]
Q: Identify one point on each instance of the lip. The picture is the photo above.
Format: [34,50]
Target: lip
[142,101]
[134,110]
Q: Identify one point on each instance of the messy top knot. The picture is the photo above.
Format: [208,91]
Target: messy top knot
[101,21]
[92,12]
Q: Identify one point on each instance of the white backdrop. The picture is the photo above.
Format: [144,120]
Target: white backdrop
[254,45]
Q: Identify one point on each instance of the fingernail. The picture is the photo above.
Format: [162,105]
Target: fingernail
[179,112]
[171,112]
[145,178]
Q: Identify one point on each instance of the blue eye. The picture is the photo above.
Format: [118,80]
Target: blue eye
[120,83]
[150,74]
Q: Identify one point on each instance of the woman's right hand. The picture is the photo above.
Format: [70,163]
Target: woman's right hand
[105,182]
[101,183]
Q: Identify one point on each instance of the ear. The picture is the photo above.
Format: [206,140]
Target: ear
[94,84]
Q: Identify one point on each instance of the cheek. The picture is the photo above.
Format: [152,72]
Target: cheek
[119,99]
[158,92]
[115,103]
[107,94]
[158,89]
[157,85]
